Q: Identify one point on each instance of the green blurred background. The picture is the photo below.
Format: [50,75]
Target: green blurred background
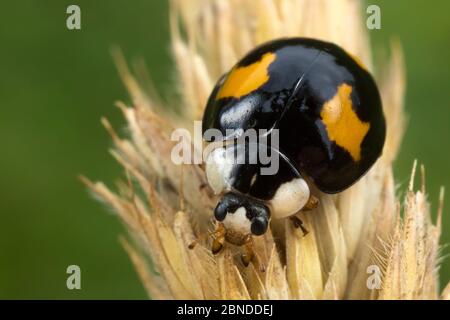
[55,84]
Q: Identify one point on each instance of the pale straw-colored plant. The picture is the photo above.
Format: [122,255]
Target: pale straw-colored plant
[353,235]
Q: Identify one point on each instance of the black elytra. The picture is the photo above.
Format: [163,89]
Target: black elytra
[324,103]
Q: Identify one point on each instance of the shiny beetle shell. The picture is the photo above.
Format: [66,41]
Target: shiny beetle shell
[324,103]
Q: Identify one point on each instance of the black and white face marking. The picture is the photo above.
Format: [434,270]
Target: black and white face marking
[242,214]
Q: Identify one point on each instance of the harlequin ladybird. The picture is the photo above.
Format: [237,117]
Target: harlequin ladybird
[327,110]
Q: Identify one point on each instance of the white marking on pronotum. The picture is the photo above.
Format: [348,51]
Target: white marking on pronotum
[290,198]
[218,170]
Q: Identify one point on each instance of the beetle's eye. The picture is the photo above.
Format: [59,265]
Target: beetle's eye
[259,225]
[220,212]
[229,203]
[260,218]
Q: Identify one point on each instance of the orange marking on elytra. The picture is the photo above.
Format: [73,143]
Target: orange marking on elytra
[342,123]
[243,80]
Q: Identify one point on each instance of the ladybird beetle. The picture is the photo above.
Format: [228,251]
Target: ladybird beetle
[331,129]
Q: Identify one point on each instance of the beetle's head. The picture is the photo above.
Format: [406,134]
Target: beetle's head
[248,198]
[242,214]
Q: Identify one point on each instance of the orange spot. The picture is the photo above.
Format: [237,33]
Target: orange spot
[243,80]
[342,123]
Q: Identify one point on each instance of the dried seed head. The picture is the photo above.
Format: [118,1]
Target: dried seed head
[358,246]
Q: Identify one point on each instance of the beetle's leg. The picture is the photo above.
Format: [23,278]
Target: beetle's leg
[298,223]
[248,255]
[219,239]
[216,233]
[312,203]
